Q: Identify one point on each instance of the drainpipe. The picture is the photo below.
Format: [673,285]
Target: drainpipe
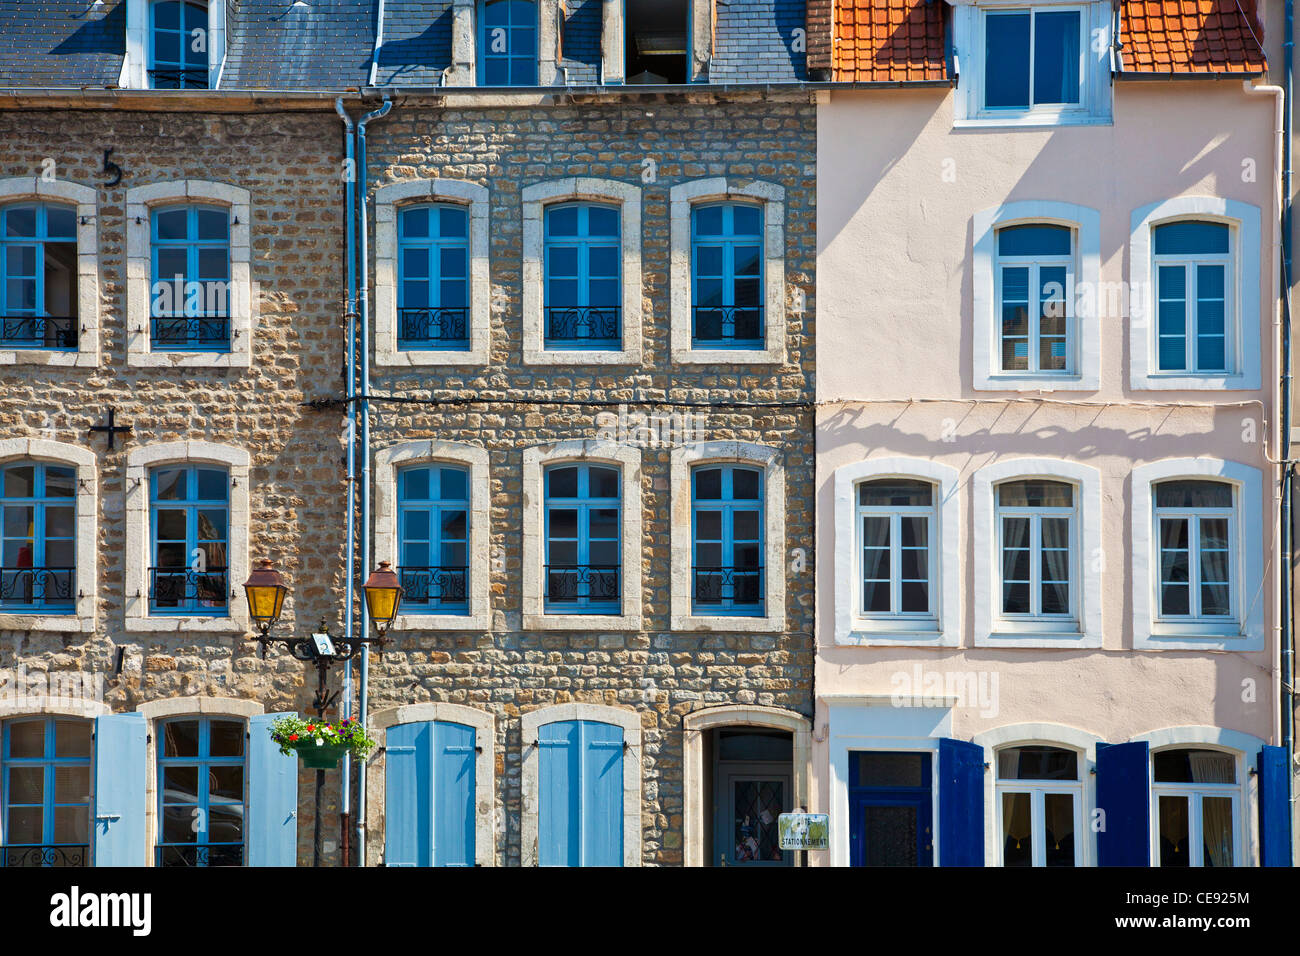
[349,600]
[363,313]
[1288,591]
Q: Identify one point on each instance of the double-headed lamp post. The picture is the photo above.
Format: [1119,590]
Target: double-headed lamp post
[266,590]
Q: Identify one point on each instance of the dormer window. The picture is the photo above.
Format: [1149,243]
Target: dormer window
[178,45]
[507,43]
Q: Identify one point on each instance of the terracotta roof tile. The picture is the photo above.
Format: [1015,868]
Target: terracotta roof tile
[1191,36]
[889,40]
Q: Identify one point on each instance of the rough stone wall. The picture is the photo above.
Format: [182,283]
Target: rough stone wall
[660,673]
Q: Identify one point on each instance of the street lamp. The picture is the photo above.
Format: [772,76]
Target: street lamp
[265,590]
[383,597]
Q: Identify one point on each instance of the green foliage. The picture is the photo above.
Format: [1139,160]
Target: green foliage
[292,732]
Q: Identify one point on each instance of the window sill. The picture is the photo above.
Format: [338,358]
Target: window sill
[60,358]
[865,632]
[727,624]
[56,623]
[237,359]
[582,357]
[1185,638]
[1033,121]
[581,622]
[698,356]
[206,625]
[431,357]
[1003,382]
[441,622]
[1029,637]
[1194,383]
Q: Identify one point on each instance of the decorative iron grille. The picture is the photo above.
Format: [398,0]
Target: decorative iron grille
[185,589]
[569,324]
[192,331]
[37,587]
[196,854]
[582,583]
[433,328]
[729,586]
[728,325]
[434,586]
[38,331]
[54,854]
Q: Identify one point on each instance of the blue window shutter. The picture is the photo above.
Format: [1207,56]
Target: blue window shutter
[961,803]
[1274,807]
[407,838]
[121,768]
[272,798]
[453,794]
[1124,797]
[558,839]
[602,794]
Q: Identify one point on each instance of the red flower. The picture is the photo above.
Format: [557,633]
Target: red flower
[310,728]
[293,736]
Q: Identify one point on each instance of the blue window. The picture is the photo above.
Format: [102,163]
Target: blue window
[1193,280]
[727,276]
[583,259]
[433,277]
[727,540]
[580,794]
[38,276]
[201,792]
[507,43]
[429,794]
[38,504]
[1033,58]
[1035,275]
[178,34]
[46,783]
[190,295]
[582,539]
[433,531]
[189,513]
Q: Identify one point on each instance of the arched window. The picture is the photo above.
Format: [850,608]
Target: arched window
[1039,806]
[1193,273]
[178,38]
[201,792]
[727,275]
[1196,531]
[191,289]
[38,276]
[433,277]
[583,266]
[1035,283]
[583,538]
[727,534]
[1196,806]
[189,513]
[433,531]
[896,523]
[507,43]
[45,764]
[1036,549]
[38,538]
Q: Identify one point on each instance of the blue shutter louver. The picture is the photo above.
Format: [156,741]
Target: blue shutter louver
[1124,797]
[1274,807]
[453,794]
[558,794]
[961,803]
[406,802]
[272,798]
[121,769]
[602,798]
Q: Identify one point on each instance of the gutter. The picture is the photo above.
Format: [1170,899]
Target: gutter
[1287,676]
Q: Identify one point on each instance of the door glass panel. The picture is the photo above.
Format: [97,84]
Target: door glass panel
[889,836]
[891,770]
[1017,839]
[1058,826]
[1216,825]
[1173,831]
[757,805]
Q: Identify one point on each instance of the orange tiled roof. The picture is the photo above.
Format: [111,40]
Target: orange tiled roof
[1191,36]
[888,40]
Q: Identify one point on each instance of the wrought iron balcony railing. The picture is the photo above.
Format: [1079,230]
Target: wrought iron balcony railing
[581,584]
[196,854]
[568,325]
[738,588]
[38,332]
[728,326]
[195,78]
[434,587]
[205,332]
[50,589]
[433,328]
[174,590]
[53,854]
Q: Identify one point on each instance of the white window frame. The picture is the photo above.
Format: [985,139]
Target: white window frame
[628,461]
[242,299]
[139,45]
[388,462]
[1037,790]
[86,519]
[683,197]
[389,201]
[1243,310]
[139,462]
[530,772]
[536,197]
[992,629]
[1082,297]
[1095,74]
[1246,631]
[684,458]
[941,629]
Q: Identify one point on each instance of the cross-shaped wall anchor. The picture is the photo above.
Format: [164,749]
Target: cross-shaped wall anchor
[112,429]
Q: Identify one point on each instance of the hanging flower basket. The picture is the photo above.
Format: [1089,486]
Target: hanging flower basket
[320,744]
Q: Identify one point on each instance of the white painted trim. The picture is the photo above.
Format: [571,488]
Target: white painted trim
[853,628]
[622,717]
[1248,573]
[85,203]
[388,202]
[140,200]
[613,65]
[581,450]
[429,451]
[536,198]
[694,798]
[139,461]
[682,197]
[1085,226]
[683,458]
[1088,584]
[86,549]
[18,707]
[484,724]
[135,62]
[1248,312]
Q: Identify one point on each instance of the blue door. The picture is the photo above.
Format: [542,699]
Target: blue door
[890,809]
[429,794]
[580,800]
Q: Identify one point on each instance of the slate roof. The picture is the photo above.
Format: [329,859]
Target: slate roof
[303,45]
[1191,36]
[580,43]
[61,43]
[416,44]
[754,42]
